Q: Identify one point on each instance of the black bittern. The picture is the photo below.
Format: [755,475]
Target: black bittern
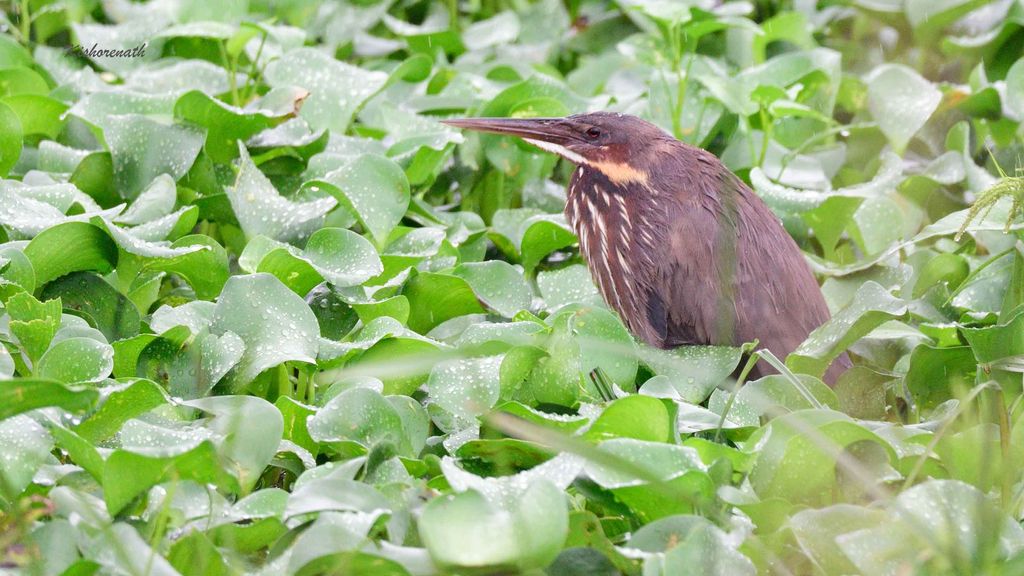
[680,247]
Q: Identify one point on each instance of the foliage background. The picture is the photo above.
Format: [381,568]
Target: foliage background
[262,313]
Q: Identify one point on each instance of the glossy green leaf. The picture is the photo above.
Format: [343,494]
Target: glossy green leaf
[274,324]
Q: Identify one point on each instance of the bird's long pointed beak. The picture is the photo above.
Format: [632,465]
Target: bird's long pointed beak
[553,135]
[552,130]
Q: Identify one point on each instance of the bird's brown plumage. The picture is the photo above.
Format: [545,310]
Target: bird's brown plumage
[681,248]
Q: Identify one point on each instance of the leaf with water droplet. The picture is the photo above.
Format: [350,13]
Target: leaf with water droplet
[95,299]
[261,209]
[362,417]
[121,403]
[497,284]
[275,324]
[247,431]
[336,89]
[871,306]
[24,446]
[128,475]
[686,543]
[375,189]
[50,258]
[901,101]
[797,456]
[77,360]
[22,395]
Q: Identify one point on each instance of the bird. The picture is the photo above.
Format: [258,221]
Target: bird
[679,246]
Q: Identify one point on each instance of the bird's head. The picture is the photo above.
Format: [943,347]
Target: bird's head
[611,143]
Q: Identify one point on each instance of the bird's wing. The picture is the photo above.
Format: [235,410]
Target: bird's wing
[733,273]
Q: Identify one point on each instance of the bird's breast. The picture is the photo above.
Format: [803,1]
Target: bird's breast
[615,240]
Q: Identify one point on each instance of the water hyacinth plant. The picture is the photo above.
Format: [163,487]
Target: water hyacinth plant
[262,312]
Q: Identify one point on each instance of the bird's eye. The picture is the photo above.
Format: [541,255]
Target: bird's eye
[593,133]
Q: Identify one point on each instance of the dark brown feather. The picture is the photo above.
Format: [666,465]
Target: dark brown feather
[693,256]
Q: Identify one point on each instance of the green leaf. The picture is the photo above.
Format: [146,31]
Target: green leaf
[137,162]
[830,219]
[798,461]
[77,360]
[375,189]
[466,531]
[10,139]
[94,250]
[24,446]
[334,493]
[435,298]
[934,372]
[930,17]
[122,403]
[337,90]
[156,201]
[1014,89]
[295,416]
[690,544]
[97,301]
[638,417]
[261,210]
[947,269]
[934,524]
[657,460]
[568,285]
[275,324]
[205,269]
[693,371]
[21,395]
[342,257]
[605,344]
[360,416]
[466,388]
[34,323]
[225,125]
[128,475]
[497,284]
[817,532]
[247,430]
[21,80]
[901,101]
[871,306]
[38,114]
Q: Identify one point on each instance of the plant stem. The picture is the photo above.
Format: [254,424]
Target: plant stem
[766,131]
[232,80]
[25,23]
[284,384]
[250,81]
[751,361]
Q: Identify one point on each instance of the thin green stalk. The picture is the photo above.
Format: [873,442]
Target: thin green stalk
[302,383]
[25,23]
[696,140]
[766,130]
[311,390]
[774,361]
[453,14]
[250,81]
[284,384]
[1003,417]
[232,80]
[751,361]
[160,525]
